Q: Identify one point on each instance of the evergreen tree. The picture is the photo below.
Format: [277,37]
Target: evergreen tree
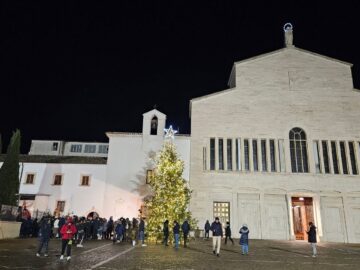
[171,195]
[9,172]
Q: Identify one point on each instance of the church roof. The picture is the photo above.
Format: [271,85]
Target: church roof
[58,159]
[262,56]
[154,112]
[258,57]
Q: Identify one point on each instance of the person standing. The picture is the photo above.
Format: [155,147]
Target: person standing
[217,234]
[207,229]
[244,239]
[44,235]
[176,231]
[56,228]
[312,238]
[185,227]
[166,232]
[67,231]
[61,223]
[81,232]
[228,233]
[110,228]
[142,232]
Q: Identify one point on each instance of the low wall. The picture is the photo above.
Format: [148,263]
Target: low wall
[9,229]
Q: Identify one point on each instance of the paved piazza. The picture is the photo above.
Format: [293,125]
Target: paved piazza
[20,254]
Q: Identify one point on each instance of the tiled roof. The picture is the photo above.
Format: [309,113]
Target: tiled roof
[58,159]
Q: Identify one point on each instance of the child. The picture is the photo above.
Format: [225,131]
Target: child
[244,239]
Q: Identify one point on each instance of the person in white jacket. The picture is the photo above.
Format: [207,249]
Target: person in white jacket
[56,228]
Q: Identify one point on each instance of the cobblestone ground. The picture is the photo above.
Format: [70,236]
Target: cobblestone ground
[20,254]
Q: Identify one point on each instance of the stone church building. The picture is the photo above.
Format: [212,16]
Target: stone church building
[278,149]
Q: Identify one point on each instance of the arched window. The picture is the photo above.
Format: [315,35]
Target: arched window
[153,126]
[298,150]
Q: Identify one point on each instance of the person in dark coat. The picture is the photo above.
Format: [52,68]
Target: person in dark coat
[217,234]
[81,232]
[142,232]
[244,239]
[110,228]
[185,227]
[35,228]
[166,232]
[44,235]
[312,238]
[62,221]
[207,229]
[228,233]
[119,231]
[176,231]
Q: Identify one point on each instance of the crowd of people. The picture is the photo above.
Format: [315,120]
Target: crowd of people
[76,230]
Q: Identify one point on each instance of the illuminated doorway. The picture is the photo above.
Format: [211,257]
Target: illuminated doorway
[303,213]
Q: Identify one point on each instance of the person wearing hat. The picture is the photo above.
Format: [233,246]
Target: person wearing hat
[67,231]
[217,234]
[244,239]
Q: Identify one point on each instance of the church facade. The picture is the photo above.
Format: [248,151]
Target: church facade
[278,149]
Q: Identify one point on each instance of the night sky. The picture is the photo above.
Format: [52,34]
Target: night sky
[74,70]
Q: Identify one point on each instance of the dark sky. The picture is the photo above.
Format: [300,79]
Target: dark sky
[75,70]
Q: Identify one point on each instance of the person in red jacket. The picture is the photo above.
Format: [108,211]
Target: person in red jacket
[67,231]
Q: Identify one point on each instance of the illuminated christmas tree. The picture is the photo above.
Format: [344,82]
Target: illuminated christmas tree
[170,193]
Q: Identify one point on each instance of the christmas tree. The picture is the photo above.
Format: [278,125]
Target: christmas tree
[170,193]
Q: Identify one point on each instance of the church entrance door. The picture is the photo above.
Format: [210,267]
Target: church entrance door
[303,213]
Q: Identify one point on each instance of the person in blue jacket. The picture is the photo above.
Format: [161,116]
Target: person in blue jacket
[176,231]
[217,235]
[244,239]
[44,235]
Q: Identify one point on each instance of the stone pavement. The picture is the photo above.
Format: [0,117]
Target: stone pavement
[264,254]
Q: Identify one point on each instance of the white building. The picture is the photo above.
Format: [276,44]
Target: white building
[62,148]
[279,148]
[82,177]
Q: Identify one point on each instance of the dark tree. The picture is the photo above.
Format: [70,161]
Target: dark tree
[9,172]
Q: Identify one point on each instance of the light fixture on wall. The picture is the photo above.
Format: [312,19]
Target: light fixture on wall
[301,199]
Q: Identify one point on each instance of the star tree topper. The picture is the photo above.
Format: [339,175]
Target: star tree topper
[170,133]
